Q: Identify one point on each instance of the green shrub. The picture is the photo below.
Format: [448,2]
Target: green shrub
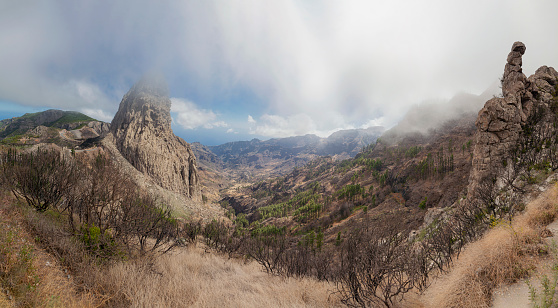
[423,204]
[338,240]
[100,244]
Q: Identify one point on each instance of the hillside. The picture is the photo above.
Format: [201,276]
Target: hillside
[65,128]
[403,179]
[441,187]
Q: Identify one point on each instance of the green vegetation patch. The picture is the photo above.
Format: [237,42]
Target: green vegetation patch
[13,139]
[306,199]
[71,117]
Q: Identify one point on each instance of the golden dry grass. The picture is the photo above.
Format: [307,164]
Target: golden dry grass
[56,287]
[504,254]
[192,278]
[52,287]
[4,302]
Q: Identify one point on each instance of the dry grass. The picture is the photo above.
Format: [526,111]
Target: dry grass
[35,278]
[504,254]
[192,278]
[57,287]
[4,302]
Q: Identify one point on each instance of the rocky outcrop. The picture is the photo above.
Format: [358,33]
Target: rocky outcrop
[503,119]
[143,135]
[100,128]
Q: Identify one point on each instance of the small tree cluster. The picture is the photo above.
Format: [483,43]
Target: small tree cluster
[41,178]
[104,209]
[377,266]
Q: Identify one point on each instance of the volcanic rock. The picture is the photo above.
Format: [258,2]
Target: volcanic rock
[143,135]
[503,119]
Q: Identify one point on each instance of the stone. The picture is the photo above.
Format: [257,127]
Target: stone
[501,121]
[101,128]
[143,135]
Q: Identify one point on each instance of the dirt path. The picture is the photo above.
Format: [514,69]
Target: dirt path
[514,296]
[517,294]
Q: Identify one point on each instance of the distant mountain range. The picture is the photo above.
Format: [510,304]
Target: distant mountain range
[257,158]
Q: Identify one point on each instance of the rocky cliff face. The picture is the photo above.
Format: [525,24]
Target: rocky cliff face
[505,120]
[143,135]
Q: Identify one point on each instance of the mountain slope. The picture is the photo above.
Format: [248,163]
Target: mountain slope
[442,188]
[48,118]
[65,128]
[403,179]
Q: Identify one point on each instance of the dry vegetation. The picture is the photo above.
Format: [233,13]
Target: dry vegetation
[101,220]
[187,277]
[89,247]
[503,255]
[83,235]
[30,276]
[192,278]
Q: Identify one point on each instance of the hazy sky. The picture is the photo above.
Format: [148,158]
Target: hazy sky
[244,69]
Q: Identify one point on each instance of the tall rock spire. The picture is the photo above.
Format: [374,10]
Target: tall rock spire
[502,121]
[143,135]
[513,81]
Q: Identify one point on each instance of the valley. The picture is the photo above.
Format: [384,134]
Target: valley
[369,217]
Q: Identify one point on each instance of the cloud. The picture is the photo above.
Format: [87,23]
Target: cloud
[360,59]
[98,114]
[251,119]
[342,64]
[374,122]
[189,116]
[294,125]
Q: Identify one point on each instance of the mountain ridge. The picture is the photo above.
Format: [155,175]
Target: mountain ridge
[256,159]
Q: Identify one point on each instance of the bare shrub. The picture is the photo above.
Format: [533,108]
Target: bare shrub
[375,266]
[99,195]
[267,248]
[190,231]
[42,178]
[144,224]
[107,210]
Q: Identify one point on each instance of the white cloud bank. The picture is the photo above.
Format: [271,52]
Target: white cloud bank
[190,116]
[277,126]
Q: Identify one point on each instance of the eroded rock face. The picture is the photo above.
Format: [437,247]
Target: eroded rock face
[502,120]
[143,135]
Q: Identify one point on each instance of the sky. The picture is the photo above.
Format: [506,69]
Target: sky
[243,69]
